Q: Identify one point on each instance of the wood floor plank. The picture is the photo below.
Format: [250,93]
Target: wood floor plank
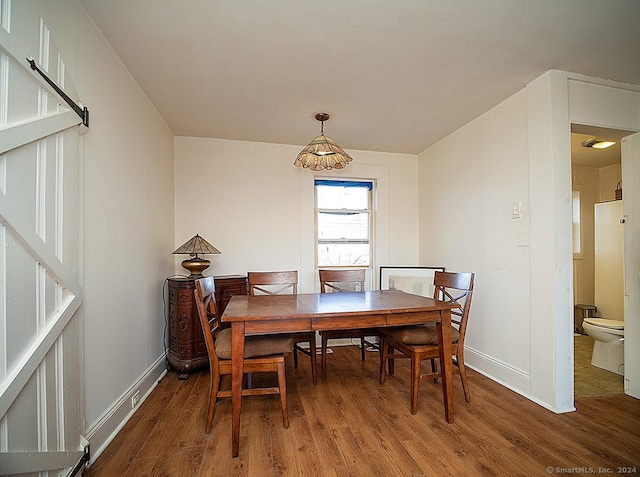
[159,436]
[188,431]
[217,460]
[266,448]
[432,462]
[528,464]
[183,388]
[185,461]
[494,464]
[358,461]
[307,460]
[126,445]
[352,426]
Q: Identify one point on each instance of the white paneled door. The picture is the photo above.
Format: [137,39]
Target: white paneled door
[40,250]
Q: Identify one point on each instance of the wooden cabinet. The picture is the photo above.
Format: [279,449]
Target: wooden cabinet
[226,287]
[187,349]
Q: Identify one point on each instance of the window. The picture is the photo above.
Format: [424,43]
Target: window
[343,223]
[577,229]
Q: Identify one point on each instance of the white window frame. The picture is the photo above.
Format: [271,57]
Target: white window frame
[369,211]
[577,232]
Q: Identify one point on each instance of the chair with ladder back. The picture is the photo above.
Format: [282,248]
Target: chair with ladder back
[344,280]
[420,342]
[278,283]
[261,353]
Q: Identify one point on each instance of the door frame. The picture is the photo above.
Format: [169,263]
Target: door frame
[615,106]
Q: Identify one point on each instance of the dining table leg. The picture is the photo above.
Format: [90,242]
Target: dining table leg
[237,365]
[443,329]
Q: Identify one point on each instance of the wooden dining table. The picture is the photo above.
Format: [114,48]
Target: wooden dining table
[273,314]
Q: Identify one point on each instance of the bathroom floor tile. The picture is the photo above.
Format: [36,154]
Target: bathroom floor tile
[590,380]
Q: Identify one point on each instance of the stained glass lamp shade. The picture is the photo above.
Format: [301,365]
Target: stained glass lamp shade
[194,247]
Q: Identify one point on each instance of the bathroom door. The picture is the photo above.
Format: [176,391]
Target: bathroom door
[631,211]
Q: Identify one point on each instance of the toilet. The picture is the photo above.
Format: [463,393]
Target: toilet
[608,346]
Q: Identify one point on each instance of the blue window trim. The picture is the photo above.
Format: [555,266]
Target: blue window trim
[337,183]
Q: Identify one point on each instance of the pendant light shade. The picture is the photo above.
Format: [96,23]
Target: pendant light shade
[322,153]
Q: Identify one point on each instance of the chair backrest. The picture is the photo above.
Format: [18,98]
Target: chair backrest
[332,281]
[273,283]
[455,288]
[209,320]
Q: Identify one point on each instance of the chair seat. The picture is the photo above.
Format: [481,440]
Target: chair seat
[418,334]
[254,346]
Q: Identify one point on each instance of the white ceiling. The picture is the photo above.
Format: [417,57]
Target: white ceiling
[396,76]
[591,157]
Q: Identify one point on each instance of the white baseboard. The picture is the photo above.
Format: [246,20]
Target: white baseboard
[103,431]
[512,378]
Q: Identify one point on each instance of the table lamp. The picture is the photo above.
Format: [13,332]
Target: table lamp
[194,246]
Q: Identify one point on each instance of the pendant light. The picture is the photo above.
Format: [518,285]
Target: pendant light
[322,153]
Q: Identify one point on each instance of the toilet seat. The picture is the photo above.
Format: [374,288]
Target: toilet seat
[604,323]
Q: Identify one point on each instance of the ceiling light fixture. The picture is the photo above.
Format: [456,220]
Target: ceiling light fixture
[598,143]
[322,152]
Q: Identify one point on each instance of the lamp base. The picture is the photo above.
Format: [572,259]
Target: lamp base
[196,266]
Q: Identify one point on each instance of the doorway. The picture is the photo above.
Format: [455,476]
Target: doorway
[596,178]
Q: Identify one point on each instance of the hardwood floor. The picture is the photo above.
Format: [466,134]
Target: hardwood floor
[350,425]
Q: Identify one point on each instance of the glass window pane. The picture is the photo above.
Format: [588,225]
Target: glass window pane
[343,255]
[331,197]
[577,246]
[332,226]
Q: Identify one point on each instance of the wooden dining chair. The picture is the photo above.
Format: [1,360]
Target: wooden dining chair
[285,282]
[261,353]
[345,280]
[420,342]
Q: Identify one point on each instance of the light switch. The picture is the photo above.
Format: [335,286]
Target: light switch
[516,210]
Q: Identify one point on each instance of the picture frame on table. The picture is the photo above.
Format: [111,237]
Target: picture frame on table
[416,280]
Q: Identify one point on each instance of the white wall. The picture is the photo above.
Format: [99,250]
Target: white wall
[585,180]
[608,178]
[248,200]
[520,330]
[468,183]
[128,221]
